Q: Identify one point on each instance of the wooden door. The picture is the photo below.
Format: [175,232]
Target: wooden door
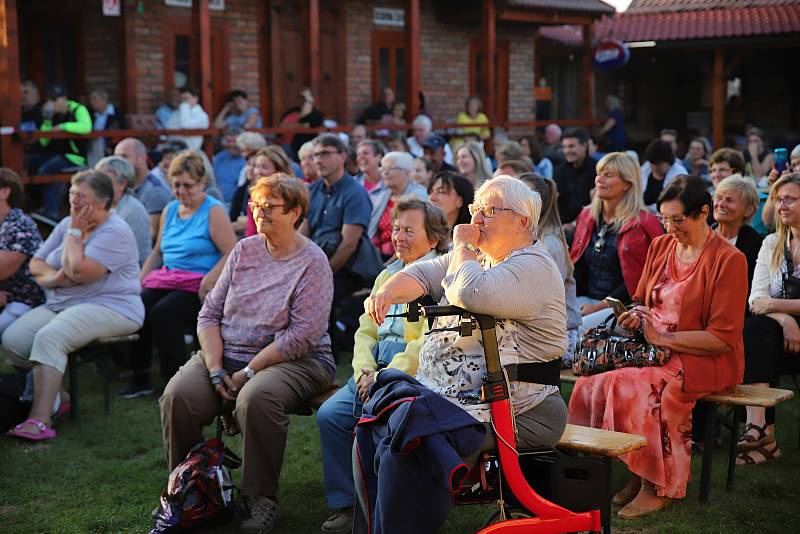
[287,52]
[54,53]
[331,99]
[389,64]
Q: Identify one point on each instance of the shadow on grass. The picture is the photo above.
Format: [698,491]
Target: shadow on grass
[104,475]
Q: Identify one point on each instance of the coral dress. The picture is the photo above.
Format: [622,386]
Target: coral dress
[648,401]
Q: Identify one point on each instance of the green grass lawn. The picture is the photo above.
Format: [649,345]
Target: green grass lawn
[104,475]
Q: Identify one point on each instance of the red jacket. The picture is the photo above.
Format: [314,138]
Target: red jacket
[714,301]
[633,240]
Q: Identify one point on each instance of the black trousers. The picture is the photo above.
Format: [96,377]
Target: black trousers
[169,314]
[764,357]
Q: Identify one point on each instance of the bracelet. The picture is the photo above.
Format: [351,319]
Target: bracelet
[216,380]
[216,376]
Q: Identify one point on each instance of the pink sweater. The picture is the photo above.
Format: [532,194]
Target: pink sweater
[258,300]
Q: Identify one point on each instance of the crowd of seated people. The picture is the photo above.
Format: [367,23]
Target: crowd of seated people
[153,251]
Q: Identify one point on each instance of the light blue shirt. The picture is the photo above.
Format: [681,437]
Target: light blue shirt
[186,244]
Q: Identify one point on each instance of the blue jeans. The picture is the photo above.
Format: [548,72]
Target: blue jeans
[53,195]
[336,422]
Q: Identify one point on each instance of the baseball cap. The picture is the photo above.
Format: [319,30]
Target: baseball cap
[56,91]
[434,141]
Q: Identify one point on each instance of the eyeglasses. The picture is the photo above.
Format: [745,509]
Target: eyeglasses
[486,211]
[185,185]
[390,169]
[674,221]
[786,201]
[324,154]
[600,244]
[266,207]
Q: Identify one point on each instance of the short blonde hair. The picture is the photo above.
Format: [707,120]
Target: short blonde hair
[307,147]
[289,188]
[746,188]
[516,196]
[187,161]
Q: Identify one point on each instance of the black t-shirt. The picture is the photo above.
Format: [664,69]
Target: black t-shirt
[654,188]
[574,185]
[313,119]
[604,275]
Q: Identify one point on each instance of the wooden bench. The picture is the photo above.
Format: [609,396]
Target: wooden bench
[599,446]
[737,397]
[95,352]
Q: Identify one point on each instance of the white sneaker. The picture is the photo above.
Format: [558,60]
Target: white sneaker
[263,512]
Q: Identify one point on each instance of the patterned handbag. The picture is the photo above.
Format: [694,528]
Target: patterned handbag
[601,349]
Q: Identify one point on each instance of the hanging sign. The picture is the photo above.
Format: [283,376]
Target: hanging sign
[112,8]
[214,5]
[610,54]
[384,16]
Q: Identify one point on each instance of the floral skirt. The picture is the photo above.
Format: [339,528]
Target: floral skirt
[650,402]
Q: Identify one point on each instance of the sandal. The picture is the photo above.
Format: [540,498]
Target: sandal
[746,458]
[45,432]
[749,442]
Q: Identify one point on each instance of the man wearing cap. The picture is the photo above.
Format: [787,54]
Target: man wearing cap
[59,114]
[422,127]
[435,148]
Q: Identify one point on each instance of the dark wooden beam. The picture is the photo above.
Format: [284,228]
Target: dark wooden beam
[490,51]
[313,46]
[11,148]
[552,17]
[128,89]
[413,58]
[718,99]
[587,75]
[201,27]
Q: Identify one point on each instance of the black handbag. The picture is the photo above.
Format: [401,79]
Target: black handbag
[790,285]
[601,349]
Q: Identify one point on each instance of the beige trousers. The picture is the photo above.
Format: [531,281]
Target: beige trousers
[262,410]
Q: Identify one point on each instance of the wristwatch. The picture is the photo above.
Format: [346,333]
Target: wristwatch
[77,232]
[248,373]
[468,246]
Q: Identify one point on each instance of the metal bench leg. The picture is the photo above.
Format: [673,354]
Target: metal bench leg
[105,371]
[710,409]
[72,370]
[606,510]
[733,446]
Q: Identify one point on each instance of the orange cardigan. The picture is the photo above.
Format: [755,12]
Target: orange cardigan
[714,301]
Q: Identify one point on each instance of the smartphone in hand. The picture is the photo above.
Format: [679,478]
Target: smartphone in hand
[616,306]
[781,158]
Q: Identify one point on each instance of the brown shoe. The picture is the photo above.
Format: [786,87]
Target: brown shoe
[645,503]
[628,493]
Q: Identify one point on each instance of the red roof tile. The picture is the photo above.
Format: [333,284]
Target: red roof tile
[704,24]
[585,6]
[666,6]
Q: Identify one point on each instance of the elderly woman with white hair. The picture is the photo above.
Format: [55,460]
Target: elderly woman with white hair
[489,272]
[396,169]
[125,203]
[735,203]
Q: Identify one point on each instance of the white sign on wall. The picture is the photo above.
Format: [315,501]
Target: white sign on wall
[216,5]
[384,16]
[112,8]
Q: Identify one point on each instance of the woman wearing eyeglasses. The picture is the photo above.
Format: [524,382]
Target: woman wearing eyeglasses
[489,271]
[772,334]
[194,238]
[691,299]
[612,235]
[264,345]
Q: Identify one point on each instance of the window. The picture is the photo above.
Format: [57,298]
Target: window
[389,65]
[477,75]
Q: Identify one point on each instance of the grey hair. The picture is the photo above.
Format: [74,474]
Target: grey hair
[100,184]
[99,91]
[516,196]
[118,168]
[308,146]
[423,120]
[250,141]
[795,152]
[402,160]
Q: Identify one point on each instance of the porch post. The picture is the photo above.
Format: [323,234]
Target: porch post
[413,58]
[11,148]
[718,99]
[202,31]
[128,88]
[490,49]
[587,76]
[313,46]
